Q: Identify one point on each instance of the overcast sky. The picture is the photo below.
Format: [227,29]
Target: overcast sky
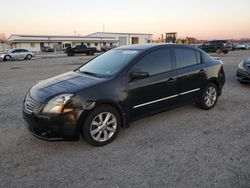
[203,19]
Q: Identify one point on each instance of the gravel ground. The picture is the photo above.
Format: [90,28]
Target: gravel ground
[184,147]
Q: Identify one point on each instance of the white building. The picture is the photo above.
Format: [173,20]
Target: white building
[125,38]
[35,42]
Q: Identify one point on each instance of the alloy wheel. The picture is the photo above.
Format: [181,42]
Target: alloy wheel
[103,126]
[210,96]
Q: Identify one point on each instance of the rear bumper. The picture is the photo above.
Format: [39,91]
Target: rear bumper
[50,128]
[243,76]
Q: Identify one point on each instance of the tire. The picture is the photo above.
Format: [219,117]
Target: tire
[218,51]
[225,52]
[7,57]
[244,83]
[28,56]
[209,97]
[96,131]
[71,53]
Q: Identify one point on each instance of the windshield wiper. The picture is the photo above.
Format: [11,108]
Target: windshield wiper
[91,74]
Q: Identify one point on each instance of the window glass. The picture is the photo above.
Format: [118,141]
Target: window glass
[198,57]
[206,44]
[185,57]
[156,62]
[16,51]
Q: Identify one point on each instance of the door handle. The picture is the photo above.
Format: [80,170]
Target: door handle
[171,80]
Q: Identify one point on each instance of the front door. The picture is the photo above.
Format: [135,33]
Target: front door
[155,92]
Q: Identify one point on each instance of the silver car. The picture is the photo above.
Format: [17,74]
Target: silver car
[17,54]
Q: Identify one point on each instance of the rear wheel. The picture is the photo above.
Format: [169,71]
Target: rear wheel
[102,125]
[7,57]
[209,97]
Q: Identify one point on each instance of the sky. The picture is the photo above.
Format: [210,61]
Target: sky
[202,19]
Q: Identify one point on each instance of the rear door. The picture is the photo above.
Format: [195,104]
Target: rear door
[23,53]
[190,72]
[156,92]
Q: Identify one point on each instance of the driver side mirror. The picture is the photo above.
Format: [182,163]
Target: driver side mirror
[138,75]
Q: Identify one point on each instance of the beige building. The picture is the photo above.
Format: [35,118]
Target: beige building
[59,43]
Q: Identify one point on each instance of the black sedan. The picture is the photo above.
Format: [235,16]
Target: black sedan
[120,86]
[243,72]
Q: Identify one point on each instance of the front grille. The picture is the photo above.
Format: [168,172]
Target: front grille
[30,104]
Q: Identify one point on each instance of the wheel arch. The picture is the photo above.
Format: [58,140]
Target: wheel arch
[216,82]
[124,116]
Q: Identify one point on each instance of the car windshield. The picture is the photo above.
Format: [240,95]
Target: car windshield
[109,63]
[10,51]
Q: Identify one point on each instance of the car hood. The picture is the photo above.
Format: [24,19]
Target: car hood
[69,82]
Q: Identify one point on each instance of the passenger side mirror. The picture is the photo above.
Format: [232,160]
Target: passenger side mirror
[138,75]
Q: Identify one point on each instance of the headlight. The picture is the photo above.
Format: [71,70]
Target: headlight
[56,105]
[242,66]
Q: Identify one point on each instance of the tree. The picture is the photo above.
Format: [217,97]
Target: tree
[2,38]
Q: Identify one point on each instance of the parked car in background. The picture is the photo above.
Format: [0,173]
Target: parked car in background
[17,54]
[240,46]
[83,49]
[106,48]
[217,46]
[120,86]
[243,72]
[47,49]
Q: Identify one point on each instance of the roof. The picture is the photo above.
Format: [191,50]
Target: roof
[150,45]
[55,38]
[119,33]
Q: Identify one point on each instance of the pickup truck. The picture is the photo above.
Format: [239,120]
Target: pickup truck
[71,51]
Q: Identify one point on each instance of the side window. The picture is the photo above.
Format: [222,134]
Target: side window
[198,57]
[185,57]
[213,43]
[155,62]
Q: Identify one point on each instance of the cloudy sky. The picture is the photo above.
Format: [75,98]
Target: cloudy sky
[203,19]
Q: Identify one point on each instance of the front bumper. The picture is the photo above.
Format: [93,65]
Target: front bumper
[53,127]
[243,76]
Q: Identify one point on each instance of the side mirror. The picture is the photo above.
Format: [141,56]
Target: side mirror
[138,75]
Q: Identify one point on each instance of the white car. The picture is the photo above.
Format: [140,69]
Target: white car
[17,54]
[240,46]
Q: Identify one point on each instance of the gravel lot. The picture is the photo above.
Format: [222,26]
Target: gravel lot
[184,147]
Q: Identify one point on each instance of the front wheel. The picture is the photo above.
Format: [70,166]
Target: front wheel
[102,125]
[71,53]
[7,57]
[218,51]
[209,97]
[28,56]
